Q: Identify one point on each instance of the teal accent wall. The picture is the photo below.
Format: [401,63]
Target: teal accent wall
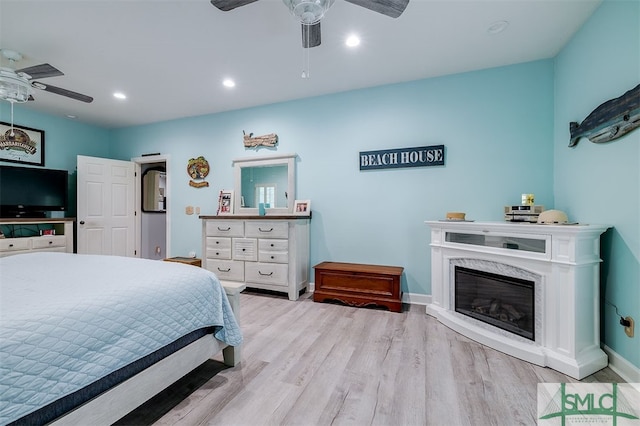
[496,125]
[600,183]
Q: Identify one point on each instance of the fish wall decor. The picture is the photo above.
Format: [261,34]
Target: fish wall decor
[269,140]
[611,120]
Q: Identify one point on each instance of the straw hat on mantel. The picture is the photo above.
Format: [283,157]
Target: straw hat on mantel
[553,217]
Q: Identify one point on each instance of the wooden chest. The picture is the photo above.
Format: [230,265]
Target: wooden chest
[358,284]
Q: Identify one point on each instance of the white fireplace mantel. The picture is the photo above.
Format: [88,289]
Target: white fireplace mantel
[564,261]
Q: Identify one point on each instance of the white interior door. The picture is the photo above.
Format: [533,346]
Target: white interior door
[106,206]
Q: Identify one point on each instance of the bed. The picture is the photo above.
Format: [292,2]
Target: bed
[86,338]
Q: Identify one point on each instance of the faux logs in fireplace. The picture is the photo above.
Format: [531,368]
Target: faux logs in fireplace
[498,300]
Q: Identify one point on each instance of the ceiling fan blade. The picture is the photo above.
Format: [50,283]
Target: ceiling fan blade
[310,35]
[391,8]
[64,92]
[227,5]
[41,71]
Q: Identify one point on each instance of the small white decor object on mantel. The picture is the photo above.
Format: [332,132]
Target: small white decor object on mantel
[559,266]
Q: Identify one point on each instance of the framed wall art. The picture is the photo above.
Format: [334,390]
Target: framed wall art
[302,208]
[225,202]
[21,144]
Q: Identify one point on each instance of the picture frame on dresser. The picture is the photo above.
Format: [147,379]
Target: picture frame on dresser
[225,202]
[25,146]
[302,207]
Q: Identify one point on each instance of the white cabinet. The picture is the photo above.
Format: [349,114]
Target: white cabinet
[27,235]
[265,252]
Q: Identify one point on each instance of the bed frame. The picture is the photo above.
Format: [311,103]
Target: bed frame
[120,400]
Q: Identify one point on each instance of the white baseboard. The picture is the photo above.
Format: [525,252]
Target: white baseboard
[416,299]
[629,372]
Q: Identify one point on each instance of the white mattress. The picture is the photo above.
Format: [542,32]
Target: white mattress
[67,320]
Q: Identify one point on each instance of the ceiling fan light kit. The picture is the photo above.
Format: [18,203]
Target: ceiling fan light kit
[14,88]
[308,12]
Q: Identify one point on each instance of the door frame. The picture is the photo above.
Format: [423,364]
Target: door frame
[139,161]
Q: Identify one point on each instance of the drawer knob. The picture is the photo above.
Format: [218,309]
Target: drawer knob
[224,270]
[266,275]
[217,242]
[10,245]
[244,249]
[265,230]
[217,254]
[272,244]
[224,229]
[50,242]
[273,257]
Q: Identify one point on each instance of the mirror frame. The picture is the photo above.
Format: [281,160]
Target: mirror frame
[288,160]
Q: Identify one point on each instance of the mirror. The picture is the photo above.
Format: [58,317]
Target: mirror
[269,180]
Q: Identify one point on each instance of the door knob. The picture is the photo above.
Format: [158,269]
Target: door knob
[82,222]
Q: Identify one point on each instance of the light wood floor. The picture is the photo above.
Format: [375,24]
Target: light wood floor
[306,363]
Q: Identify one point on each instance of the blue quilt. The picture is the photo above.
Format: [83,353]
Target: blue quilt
[67,320]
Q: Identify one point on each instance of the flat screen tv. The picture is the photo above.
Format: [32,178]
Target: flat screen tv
[32,192]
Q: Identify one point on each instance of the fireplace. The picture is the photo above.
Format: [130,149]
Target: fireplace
[528,290]
[502,301]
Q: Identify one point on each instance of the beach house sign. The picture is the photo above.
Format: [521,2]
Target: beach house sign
[402,157]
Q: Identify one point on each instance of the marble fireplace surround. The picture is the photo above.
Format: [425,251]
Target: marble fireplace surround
[563,261]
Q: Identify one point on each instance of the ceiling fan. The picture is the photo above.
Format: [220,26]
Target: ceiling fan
[310,12]
[16,86]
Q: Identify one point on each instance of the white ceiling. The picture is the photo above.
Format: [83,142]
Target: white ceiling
[170,56]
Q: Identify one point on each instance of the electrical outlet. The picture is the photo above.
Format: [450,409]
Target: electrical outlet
[629,330]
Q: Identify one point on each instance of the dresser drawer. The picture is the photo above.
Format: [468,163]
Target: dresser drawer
[267,229]
[218,248]
[225,228]
[245,249]
[218,253]
[266,273]
[49,241]
[273,245]
[56,249]
[273,250]
[15,244]
[226,269]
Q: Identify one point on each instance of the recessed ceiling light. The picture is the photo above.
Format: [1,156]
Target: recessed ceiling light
[497,27]
[119,95]
[71,116]
[352,41]
[229,83]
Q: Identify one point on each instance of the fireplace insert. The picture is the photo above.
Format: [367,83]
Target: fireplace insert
[498,300]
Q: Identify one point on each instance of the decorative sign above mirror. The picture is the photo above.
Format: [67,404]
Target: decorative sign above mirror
[251,141]
[268,180]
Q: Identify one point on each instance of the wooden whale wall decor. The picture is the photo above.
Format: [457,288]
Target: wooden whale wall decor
[611,120]
[265,140]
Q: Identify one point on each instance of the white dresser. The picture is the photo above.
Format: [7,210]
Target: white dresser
[265,252]
[23,235]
